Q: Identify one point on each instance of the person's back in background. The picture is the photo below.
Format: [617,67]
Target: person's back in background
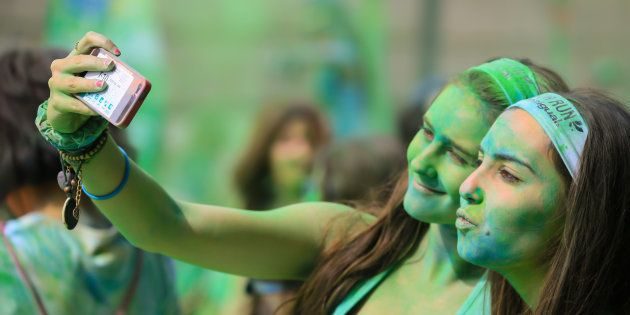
[45,268]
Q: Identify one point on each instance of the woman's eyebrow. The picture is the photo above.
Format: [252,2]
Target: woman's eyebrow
[459,148]
[512,158]
[448,140]
[425,121]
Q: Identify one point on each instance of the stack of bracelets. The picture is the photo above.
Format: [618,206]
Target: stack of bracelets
[76,149]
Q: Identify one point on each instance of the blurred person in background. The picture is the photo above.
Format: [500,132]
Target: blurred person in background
[276,165]
[45,268]
[359,172]
[273,172]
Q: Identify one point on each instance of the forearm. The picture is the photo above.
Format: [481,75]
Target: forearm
[275,244]
[142,209]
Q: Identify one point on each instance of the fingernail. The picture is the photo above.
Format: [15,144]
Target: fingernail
[117,52]
[108,63]
[100,83]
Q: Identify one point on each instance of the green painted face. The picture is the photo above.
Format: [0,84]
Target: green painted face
[443,153]
[508,203]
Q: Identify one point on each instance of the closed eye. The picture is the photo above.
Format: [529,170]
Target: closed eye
[456,157]
[428,134]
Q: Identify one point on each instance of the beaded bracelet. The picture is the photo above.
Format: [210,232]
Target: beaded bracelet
[87,153]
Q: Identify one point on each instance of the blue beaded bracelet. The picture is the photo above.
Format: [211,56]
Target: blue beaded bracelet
[120,186]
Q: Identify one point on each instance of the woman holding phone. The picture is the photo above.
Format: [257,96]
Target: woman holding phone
[400,262]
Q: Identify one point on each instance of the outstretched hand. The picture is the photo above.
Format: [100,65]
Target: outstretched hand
[65,113]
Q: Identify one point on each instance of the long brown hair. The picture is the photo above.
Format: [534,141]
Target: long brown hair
[253,173]
[588,267]
[395,236]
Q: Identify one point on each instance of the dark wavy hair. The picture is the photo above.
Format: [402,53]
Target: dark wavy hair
[395,236]
[589,256]
[25,157]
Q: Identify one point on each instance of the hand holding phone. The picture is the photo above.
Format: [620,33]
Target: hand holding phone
[125,92]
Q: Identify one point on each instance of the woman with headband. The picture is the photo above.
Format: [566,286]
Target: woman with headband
[548,208]
[343,254]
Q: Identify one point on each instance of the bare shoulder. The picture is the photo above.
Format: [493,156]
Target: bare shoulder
[326,222]
[342,223]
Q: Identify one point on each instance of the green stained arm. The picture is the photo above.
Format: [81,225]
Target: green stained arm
[277,244]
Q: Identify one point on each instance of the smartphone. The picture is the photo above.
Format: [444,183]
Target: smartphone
[125,92]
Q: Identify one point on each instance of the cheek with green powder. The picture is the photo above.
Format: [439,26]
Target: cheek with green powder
[512,230]
[442,153]
[514,210]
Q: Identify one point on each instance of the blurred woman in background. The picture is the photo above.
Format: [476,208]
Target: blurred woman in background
[277,163]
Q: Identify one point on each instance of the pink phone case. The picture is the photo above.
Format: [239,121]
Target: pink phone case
[122,113]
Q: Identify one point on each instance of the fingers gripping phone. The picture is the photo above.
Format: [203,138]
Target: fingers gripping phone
[125,92]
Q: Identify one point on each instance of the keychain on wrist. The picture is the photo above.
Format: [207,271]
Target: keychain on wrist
[70,180]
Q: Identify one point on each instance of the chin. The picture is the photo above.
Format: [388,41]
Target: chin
[470,249]
[469,253]
[428,211]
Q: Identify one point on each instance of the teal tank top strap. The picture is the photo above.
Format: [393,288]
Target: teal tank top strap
[479,301]
[359,292]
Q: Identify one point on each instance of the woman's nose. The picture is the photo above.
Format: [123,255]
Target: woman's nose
[424,162]
[470,190]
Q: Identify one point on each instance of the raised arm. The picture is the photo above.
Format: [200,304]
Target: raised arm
[277,244]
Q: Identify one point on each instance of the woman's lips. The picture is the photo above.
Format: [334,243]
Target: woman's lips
[424,188]
[463,222]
